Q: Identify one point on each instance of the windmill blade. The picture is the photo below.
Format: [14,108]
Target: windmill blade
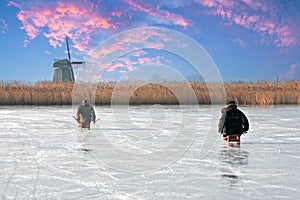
[77,62]
[69,55]
[72,74]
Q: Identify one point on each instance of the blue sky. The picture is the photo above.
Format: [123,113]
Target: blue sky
[248,40]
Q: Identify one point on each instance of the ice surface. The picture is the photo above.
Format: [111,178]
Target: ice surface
[148,152]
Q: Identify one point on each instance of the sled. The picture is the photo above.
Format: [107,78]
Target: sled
[232,138]
[84,125]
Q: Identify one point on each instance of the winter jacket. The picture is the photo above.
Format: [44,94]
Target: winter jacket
[85,114]
[233,121]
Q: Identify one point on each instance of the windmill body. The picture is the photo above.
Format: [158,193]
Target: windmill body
[63,70]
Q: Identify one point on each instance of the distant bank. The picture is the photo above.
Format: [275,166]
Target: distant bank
[61,93]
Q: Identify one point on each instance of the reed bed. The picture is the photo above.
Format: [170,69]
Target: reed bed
[64,93]
[40,93]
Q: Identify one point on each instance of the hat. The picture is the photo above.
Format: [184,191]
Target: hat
[84,102]
[231,103]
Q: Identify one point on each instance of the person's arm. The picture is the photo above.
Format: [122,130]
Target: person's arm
[222,121]
[78,114]
[93,115]
[245,122]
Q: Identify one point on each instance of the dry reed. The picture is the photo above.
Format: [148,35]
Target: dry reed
[61,93]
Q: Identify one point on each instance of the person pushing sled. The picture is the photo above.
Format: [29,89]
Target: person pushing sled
[233,123]
[85,115]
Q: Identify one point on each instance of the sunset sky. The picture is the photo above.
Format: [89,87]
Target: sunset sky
[248,40]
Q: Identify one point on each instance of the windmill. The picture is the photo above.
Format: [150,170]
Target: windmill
[63,69]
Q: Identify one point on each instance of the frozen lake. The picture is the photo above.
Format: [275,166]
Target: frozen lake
[151,152]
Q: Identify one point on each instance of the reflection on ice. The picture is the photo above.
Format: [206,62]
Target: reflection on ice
[44,157]
[233,159]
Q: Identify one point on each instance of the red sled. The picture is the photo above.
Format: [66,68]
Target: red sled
[232,138]
[84,125]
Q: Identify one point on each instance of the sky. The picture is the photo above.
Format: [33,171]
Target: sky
[248,40]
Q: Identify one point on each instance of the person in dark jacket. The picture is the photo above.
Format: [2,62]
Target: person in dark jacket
[85,114]
[233,121]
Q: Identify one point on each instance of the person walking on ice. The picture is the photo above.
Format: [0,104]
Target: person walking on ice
[85,115]
[233,123]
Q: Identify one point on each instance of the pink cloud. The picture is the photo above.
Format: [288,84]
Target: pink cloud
[115,66]
[3,26]
[60,20]
[284,36]
[116,13]
[257,5]
[227,3]
[14,4]
[122,65]
[253,19]
[164,16]
[294,69]
[267,24]
[138,53]
[177,20]
[80,20]
[27,26]
[207,3]
[130,63]
[138,7]
[26,43]
[141,39]
[239,42]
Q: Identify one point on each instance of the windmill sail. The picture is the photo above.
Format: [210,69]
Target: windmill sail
[68,49]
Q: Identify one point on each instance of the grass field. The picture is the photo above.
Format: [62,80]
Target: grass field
[61,93]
